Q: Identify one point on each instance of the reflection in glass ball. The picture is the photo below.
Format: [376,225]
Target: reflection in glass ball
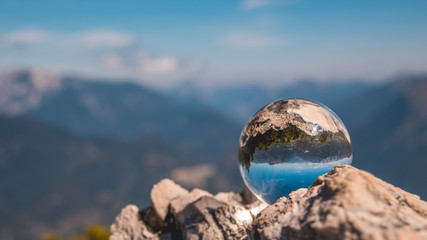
[289,143]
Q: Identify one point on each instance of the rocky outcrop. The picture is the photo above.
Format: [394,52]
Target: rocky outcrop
[128,226]
[163,193]
[345,203]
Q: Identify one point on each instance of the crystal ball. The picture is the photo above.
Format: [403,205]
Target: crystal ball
[287,144]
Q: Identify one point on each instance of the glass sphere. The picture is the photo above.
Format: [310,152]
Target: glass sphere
[287,144]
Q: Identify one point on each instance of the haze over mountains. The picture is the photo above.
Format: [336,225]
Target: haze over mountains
[74,151]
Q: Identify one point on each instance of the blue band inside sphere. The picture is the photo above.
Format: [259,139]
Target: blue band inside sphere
[287,144]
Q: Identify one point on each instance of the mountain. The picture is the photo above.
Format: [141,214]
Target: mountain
[51,180]
[67,145]
[22,91]
[74,151]
[387,122]
[240,102]
[391,141]
[98,108]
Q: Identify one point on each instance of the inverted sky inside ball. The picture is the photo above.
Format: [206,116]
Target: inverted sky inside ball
[287,144]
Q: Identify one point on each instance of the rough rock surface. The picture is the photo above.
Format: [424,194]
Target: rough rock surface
[178,204]
[128,226]
[233,221]
[196,221]
[163,193]
[345,203]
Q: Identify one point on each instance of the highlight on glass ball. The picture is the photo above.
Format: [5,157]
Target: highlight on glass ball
[287,144]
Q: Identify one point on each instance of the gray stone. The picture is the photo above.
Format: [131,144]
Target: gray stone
[346,203]
[230,198]
[256,207]
[163,193]
[179,203]
[233,221]
[151,218]
[196,221]
[127,225]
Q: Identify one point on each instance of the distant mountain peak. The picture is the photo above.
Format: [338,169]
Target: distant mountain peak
[23,90]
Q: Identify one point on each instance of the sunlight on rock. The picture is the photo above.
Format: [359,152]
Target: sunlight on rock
[257,209]
[244,216]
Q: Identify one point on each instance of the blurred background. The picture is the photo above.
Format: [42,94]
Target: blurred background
[99,100]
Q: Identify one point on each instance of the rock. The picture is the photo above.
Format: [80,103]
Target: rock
[179,203]
[238,199]
[196,221]
[345,203]
[230,198]
[233,221]
[128,226]
[151,218]
[163,193]
[256,207]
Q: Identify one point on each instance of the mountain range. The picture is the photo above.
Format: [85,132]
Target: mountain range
[74,150]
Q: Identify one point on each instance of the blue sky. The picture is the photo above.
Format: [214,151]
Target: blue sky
[163,42]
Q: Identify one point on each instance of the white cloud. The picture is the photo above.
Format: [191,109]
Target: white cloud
[157,65]
[251,40]
[95,52]
[112,61]
[94,38]
[23,37]
[99,38]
